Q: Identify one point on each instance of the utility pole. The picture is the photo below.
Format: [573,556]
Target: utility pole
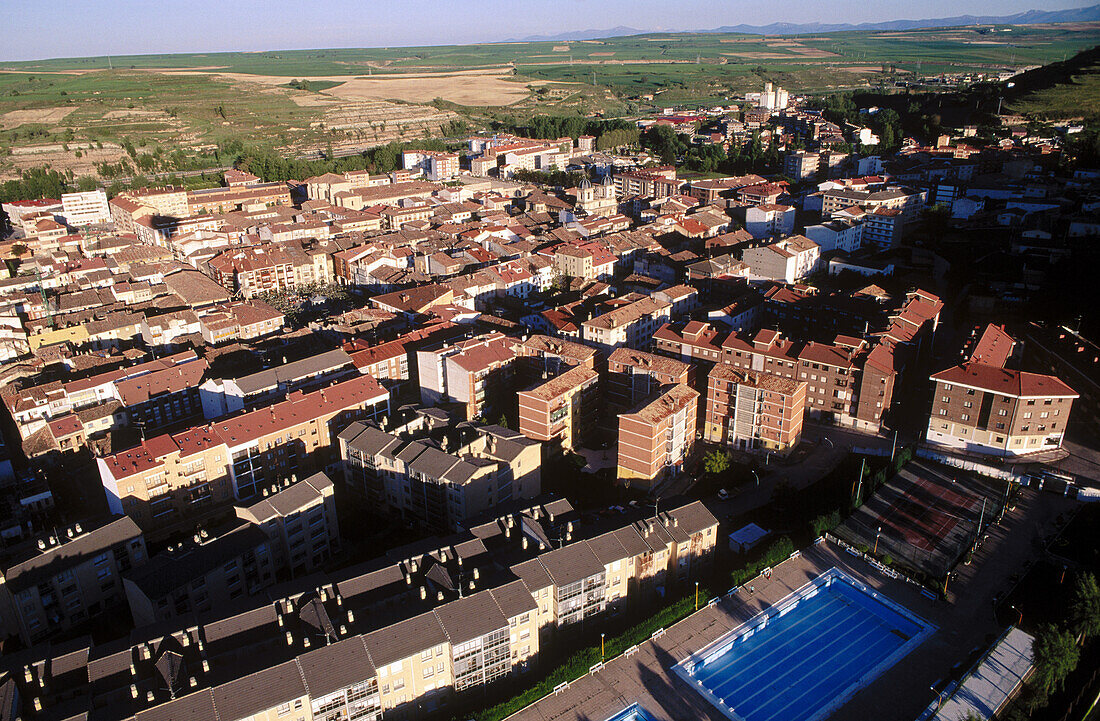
[978,533]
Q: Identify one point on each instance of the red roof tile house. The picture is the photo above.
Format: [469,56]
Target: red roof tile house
[995,411]
[170,480]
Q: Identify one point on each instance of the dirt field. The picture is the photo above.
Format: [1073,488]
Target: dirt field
[474,87]
[49,116]
[59,159]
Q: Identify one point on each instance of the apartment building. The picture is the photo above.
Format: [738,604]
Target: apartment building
[883,227]
[801,165]
[658,436]
[787,259]
[435,166]
[634,375]
[996,411]
[836,235]
[631,325]
[753,411]
[375,639]
[682,299]
[476,374]
[909,201]
[560,409]
[439,482]
[55,584]
[163,398]
[292,532]
[164,381]
[767,220]
[171,478]
[850,382]
[86,208]
[541,354]
[167,202]
[590,261]
[693,341]
[237,197]
[270,268]
[650,183]
[300,523]
[200,575]
[223,396]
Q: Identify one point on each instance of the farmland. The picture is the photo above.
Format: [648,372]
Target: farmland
[76,114]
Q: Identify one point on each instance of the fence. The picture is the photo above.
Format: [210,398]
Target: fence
[979,468]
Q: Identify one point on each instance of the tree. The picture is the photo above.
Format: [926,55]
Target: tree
[1056,655]
[1084,610]
[716,462]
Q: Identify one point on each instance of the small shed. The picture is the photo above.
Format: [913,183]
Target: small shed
[746,537]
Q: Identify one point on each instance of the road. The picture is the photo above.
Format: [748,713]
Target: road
[822,449]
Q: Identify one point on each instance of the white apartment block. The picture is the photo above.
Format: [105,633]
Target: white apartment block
[86,208]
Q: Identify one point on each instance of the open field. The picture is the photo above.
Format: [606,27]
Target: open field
[307,100]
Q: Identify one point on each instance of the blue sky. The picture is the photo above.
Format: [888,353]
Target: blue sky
[74,28]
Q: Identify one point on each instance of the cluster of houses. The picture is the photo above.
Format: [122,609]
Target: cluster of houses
[152,344]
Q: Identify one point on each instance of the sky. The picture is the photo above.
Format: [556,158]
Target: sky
[36,29]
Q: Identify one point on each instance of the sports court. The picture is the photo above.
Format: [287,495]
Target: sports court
[925,517]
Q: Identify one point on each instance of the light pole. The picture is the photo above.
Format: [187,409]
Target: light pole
[1020,620]
[696,595]
[756,477]
[601,647]
[879,533]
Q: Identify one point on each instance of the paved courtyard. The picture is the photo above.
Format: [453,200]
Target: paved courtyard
[965,621]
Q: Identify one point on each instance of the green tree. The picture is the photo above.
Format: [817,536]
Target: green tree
[716,462]
[1084,613]
[1056,655]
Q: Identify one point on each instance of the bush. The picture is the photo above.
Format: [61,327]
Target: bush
[780,550]
[825,522]
[888,560]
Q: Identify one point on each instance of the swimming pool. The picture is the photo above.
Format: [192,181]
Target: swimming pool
[805,656]
[633,712]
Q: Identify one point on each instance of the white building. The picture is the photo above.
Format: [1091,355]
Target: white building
[768,220]
[788,259]
[836,235]
[86,208]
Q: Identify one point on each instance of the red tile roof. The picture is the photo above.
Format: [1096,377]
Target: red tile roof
[1005,381]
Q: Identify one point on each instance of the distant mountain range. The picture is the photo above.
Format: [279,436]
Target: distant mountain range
[1031,17]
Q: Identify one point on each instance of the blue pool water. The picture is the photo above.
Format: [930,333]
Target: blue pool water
[800,660]
[634,712]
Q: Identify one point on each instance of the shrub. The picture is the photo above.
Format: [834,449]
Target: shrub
[825,522]
[779,551]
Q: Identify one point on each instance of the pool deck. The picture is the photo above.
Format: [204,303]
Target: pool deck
[900,692]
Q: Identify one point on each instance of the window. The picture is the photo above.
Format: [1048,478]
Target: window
[398,684]
[284,708]
[943,411]
[966,416]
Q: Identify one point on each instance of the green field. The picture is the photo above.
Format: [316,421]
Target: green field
[308,100]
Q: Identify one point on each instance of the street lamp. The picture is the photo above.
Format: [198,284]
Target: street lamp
[696,595]
[601,647]
[879,533]
[756,477]
[1020,620]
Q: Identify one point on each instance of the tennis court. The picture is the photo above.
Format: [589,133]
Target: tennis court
[925,517]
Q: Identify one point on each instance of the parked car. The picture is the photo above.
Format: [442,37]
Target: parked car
[723,494]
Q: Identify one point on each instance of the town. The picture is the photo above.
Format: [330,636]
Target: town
[409,444]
